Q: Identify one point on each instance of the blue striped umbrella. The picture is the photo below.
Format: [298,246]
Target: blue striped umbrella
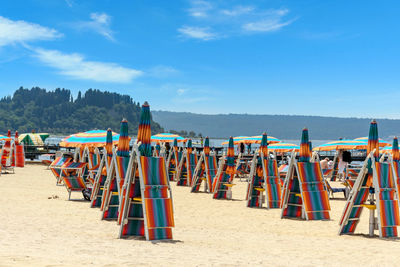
[167,137]
[94,138]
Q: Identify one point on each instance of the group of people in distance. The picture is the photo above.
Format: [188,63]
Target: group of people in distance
[344,157]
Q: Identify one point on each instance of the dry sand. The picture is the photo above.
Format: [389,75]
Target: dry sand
[38,231]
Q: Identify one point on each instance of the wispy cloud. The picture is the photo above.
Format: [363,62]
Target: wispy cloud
[19,31]
[200,8]
[162,71]
[202,33]
[214,21]
[75,66]
[99,23]
[69,2]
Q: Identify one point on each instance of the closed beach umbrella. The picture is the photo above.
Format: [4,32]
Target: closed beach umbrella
[305,152]
[109,145]
[167,137]
[144,132]
[206,146]
[189,146]
[123,142]
[264,145]
[284,147]
[230,158]
[342,145]
[94,138]
[373,139]
[382,143]
[395,150]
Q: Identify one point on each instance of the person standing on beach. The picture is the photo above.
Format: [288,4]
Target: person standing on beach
[324,164]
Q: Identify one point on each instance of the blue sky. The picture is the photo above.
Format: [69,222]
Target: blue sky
[310,57]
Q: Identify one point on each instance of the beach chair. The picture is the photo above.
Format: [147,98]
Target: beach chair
[98,184]
[383,187]
[72,177]
[186,167]
[332,190]
[147,208]
[304,194]
[173,160]
[241,167]
[264,178]
[206,170]
[56,167]
[111,192]
[92,156]
[222,184]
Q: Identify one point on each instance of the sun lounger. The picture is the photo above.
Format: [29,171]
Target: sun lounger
[72,177]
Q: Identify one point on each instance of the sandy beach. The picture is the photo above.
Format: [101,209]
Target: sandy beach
[40,227]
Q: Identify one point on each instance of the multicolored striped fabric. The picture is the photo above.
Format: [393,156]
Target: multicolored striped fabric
[123,141]
[109,146]
[206,148]
[157,149]
[8,153]
[315,197]
[122,166]
[382,143]
[230,158]
[144,131]
[255,186]
[72,176]
[294,204]
[198,175]
[57,164]
[373,142]
[395,150]
[345,144]
[387,203]
[305,152]
[264,145]
[98,187]
[284,147]
[95,138]
[219,187]
[272,184]
[158,207]
[211,168]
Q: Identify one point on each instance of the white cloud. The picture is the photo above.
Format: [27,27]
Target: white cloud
[76,66]
[266,25]
[202,33]
[19,31]
[69,2]
[199,8]
[215,21]
[237,11]
[100,23]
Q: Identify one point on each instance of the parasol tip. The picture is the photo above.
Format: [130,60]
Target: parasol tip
[146,103]
[373,121]
[109,129]
[124,120]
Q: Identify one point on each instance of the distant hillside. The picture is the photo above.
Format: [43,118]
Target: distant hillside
[56,112]
[281,126]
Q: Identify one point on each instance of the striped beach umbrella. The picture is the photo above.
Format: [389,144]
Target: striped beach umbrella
[257,139]
[395,150]
[8,140]
[123,142]
[382,143]
[206,146]
[236,140]
[230,158]
[342,145]
[305,152]
[264,145]
[167,137]
[95,138]
[4,138]
[284,147]
[373,139]
[144,132]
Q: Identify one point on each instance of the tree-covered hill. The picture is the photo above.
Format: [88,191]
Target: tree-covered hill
[56,112]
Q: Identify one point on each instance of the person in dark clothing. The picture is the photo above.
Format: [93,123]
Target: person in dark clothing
[241,148]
